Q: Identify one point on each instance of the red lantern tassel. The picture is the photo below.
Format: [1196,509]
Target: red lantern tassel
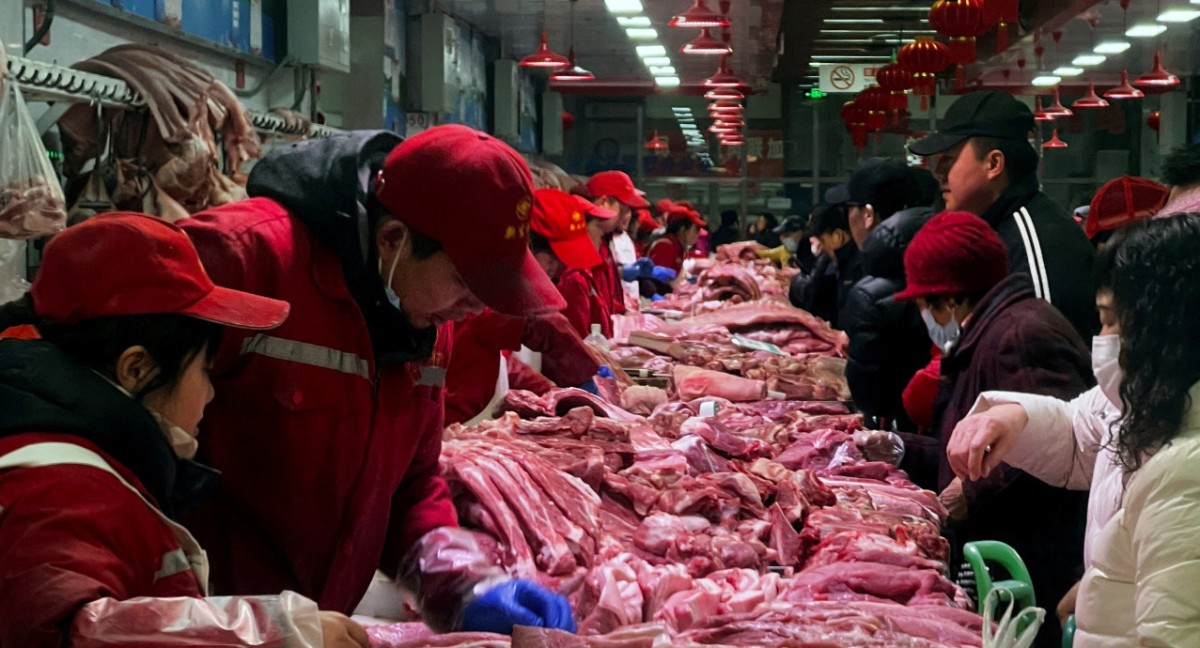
[924,103]
[1001,37]
[962,50]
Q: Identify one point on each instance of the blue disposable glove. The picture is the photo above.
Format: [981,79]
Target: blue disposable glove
[657,298]
[590,387]
[605,372]
[630,272]
[665,275]
[645,267]
[517,602]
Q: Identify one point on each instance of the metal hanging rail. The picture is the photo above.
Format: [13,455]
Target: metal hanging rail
[50,82]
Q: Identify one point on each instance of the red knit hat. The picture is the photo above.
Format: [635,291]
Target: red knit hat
[1123,201]
[954,253]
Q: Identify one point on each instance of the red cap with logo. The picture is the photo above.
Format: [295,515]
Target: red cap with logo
[646,222]
[122,263]
[592,209]
[473,194]
[559,217]
[682,212]
[1125,200]
[618,185]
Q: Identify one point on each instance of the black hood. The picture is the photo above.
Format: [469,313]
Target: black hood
[883,251]
[326,184]
[42,390]
[1016,195]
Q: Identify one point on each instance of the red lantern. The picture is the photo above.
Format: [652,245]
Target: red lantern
[568,121]
[878,102]
[963,21]
[1154,121]
[896,80]
[1002,13]
[924,57]
[855,116]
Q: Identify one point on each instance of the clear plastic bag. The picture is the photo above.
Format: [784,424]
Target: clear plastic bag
[31,200]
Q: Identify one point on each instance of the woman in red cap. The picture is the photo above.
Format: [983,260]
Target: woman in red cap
[561,244]
[99,428]
[995,334]
[683,230]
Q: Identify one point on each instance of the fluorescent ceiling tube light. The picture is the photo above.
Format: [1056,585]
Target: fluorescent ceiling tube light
[835,58]
[651,50]
[657,60]
[854,21]
[624,6]
[1068,71]
[1087,60]
[1181,15]
[1046,80]
[633,21]
[1145,30]
[1111,47]
[666,70]
[641,33]
[667,81]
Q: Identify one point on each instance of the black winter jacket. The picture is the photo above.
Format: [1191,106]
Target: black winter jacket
[1045,242]
[888,339]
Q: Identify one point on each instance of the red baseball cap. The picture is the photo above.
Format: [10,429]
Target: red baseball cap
[646,222]
[954,253]
[618,185]
[592,209]
[1125,200]
[664,206]
[559,217]
[682,212]
[473,194]
[122,263]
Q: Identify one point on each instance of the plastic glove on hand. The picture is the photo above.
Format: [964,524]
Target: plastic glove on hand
[518,602]
[657,298]
[590,387]
[665,275]
[605,372]
[645,267]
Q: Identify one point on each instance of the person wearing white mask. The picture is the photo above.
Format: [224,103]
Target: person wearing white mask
[996,335]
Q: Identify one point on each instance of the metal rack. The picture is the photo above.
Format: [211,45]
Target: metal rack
[50,82]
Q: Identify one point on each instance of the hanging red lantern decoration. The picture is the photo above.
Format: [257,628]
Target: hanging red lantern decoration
[924,57]
[963,21]
[896,80]
[568,121]
[855,117]
[878,102]
[1002,14]
[1154,120]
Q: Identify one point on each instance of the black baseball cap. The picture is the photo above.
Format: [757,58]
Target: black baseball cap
[827,218]
[791,224]
[979,114]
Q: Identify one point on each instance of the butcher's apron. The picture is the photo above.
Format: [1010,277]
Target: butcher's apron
[489,410]
[57,454]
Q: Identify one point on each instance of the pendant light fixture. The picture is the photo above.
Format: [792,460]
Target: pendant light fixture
[723,78]
[572,72]
[1124,91]
[699,17]
[706,45]
[545,57]
[656,143]
[725,106]
[735,122]
[1057,109]
[1157,80]
[1054,142]
[727,94]
[1090,100]
[1040,114]
[719,128]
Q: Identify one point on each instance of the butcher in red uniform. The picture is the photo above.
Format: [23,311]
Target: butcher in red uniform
[328,429]
[683,228]
[561,244]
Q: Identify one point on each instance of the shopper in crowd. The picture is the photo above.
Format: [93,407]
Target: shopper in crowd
[727,232]
[837,269]
[96,442]
[888,339]
[763,230]
[995,334]
[1134,439]
[1181,172]
[791,237]
[366,237]
[683,228]
[614,191]
[1120,202]
[987,167]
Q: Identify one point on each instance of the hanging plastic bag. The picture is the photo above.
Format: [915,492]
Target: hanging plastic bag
[1011,631]
[31,200]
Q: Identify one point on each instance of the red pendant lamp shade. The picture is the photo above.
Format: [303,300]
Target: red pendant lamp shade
[1057,109]
[719,128]
[731,122]
[1054,142]
[572,72]
[1040,114]
[706,45]
[724,78]
[1157,80]
[724,105]
[924,57]
[1124,91]
[699,17]
[1090,100]
[545,57]
[724,94]
[656,143]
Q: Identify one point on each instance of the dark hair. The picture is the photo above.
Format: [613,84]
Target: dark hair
[1020,160]
[772,221]
[729,218]
[173,341]
[539,243]
[970,299]
[423,246]
[1182,167]
[1106,259]
[679,225]
[1156,293]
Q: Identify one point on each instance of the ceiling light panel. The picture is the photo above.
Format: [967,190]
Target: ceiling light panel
[641,33]
[1111,47]
[633,21]
[1145,30]
[624,6]
[667,81]
[1181,15]
[651,50]
[1046,80]
[1088,60]
[665,70]
[1068,71]
[854,21]
[657,60]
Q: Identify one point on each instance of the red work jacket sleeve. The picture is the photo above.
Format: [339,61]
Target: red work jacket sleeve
[575,289]
[522,376]
[665,253]
[475,363]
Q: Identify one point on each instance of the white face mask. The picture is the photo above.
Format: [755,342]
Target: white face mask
[1106,365]
[392,297]
[791,245]
[944,336]
[816,249]
[184,444]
